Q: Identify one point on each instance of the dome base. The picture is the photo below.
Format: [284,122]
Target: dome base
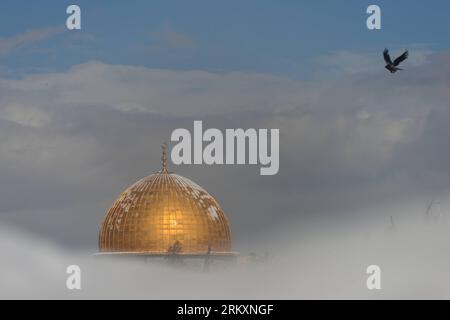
[167,254]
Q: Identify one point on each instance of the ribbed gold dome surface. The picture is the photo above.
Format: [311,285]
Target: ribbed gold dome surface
[165,211]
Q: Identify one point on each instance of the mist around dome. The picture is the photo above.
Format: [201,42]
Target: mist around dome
[306,261]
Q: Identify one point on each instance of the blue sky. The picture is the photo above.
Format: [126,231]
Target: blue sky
[252,36]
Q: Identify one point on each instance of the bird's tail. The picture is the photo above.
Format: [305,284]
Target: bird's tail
[398,69]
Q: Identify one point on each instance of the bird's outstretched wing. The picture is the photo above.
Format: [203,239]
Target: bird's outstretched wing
[386,56]
[403,57]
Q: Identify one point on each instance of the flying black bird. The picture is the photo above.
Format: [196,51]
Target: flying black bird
[392,66]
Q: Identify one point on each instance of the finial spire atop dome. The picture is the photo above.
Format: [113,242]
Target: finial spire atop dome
[164,158]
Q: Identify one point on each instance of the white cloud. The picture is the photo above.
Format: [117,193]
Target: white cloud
[170,41]
[165,92]
[359,137]
[304,262]
[174,38]
[9,44]
[25,116]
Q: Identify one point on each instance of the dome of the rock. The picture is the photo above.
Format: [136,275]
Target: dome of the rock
[165,213]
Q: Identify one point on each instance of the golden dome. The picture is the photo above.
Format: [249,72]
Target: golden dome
[162,214]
